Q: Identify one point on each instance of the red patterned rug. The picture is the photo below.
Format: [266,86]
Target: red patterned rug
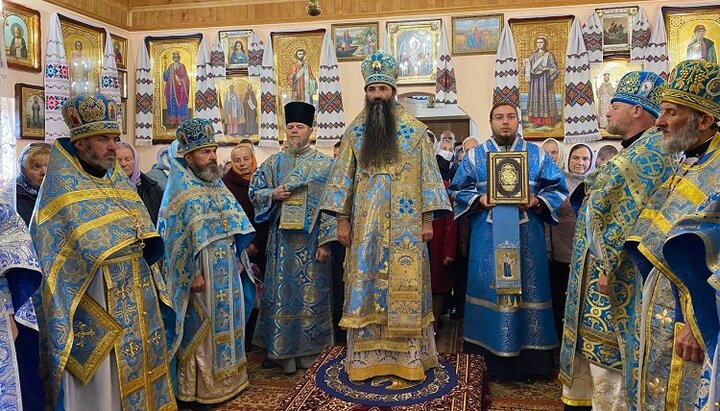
[463,391]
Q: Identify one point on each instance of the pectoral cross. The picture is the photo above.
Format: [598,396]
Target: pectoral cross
[137,225]
[224,223]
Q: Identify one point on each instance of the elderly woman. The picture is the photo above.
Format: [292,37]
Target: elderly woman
[237,180]
[149,191]
[555,150]
[33,166]
[580,162]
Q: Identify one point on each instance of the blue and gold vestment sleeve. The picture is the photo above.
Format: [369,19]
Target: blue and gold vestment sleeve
[328,229]
[551,189]
[338,195]
[434,196]
[464,188]
[261,190]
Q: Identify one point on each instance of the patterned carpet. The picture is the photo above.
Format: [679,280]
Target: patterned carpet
[268,388]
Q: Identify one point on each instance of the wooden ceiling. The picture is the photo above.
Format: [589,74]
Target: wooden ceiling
[145,15]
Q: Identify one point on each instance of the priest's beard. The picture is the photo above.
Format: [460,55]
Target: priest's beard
[683,139]
[209,173]
[504,141]
[97,161]
[380,142]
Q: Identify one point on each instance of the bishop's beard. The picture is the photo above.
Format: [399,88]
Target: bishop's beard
[380,144]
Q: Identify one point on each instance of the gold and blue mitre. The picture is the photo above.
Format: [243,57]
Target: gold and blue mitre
[380,68]
[195,133]
[641,88]
[90,115]
[695,84]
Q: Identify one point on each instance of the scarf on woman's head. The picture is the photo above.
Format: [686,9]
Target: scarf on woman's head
[560,162]
[135,176]
[593,156]
[253,165]
[22,180]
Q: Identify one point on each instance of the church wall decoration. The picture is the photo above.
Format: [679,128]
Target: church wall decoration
[692,33]
[296,59]
[476,34]
[617,28]
[240,113]
[236,46]
[355,41]
[123,113]
[173,71]
[120,49]
[21,27]
[605,77]
[542,92]
[30,108]
[84,45]
[416,46]
[123,83]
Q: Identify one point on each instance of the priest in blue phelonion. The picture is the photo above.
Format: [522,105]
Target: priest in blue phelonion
[692,251]
[207,269]
[516,308]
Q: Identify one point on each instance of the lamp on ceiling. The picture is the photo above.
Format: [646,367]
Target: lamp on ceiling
[313,7]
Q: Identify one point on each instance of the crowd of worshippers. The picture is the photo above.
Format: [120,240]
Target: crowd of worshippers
[135,290]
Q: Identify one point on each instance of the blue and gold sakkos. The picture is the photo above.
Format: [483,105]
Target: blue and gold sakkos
[666,382]
[601,327]
[88,231]
[295,311]
[206,232]
[388,300]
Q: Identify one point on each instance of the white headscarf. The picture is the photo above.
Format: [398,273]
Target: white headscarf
[593,155]
[560,162]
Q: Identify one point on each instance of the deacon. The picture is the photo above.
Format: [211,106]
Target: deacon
[20,277]
[206,232]
[693,254]
[519,311]
[96,243]
[295,319]
[385,191]
[671,351]
[597,333]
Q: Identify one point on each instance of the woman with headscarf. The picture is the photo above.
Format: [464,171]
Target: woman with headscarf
[580,162]
[161,169]
[33,166]
[555,150]
[149,191]
[237,180]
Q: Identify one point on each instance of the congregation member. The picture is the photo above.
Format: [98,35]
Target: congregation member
[597,336]
[692,251]
[20,277]
[520,316]
[149,191]
[443,246]
[96,242]
[33,163]
[555,150]
[385,190]
[560,237]
[161,169]
[206,231]
[295,319]
[671,356]
[237,180]
[604,154]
